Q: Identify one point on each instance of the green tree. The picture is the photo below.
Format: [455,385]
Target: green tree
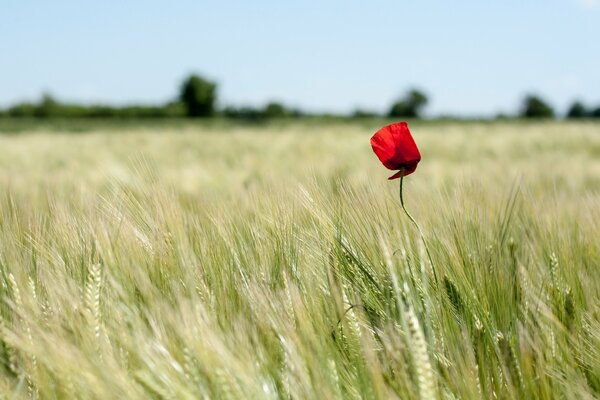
[534,107]
[410,106]
[360,113]
[22,110]
[199,96]
[577,110]
[48,107]
[275,110]
[244,113]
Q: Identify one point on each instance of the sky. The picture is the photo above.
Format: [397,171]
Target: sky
[472,57]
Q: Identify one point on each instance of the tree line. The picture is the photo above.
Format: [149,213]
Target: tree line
[198,99]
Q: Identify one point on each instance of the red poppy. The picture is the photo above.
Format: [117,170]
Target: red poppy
[396,149]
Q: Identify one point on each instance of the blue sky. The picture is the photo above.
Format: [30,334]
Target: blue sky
[471,57]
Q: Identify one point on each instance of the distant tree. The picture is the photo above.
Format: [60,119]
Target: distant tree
[244,113]
[101,111]
[22,110]
[595,113]
[48,107]
[360,113]
[534,107]
[275,110]
[410,106]
[577,110]
[175,109]
[199,96]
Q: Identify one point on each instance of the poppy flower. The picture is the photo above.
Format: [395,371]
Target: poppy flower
[396,149]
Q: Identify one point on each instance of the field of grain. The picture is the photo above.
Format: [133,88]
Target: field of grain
[276,262]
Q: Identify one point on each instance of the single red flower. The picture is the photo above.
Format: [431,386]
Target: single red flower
[396,149]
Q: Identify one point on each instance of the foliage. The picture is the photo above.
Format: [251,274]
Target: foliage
[360,113]
[275,110]
[535,107]
[272,110]
[411,106]
[199,96]
[577,110]
[244,113]
[48,107]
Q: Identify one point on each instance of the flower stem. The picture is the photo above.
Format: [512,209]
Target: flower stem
[418,228]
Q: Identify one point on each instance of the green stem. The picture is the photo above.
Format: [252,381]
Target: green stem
[418,228]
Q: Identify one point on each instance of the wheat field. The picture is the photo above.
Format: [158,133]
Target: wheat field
[275,262]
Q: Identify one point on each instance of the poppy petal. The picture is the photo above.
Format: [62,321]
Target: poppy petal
[406,152]
[384,146]
[409,169]
[396,149]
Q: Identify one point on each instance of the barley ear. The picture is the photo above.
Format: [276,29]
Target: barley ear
[92,297]
[423,368]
